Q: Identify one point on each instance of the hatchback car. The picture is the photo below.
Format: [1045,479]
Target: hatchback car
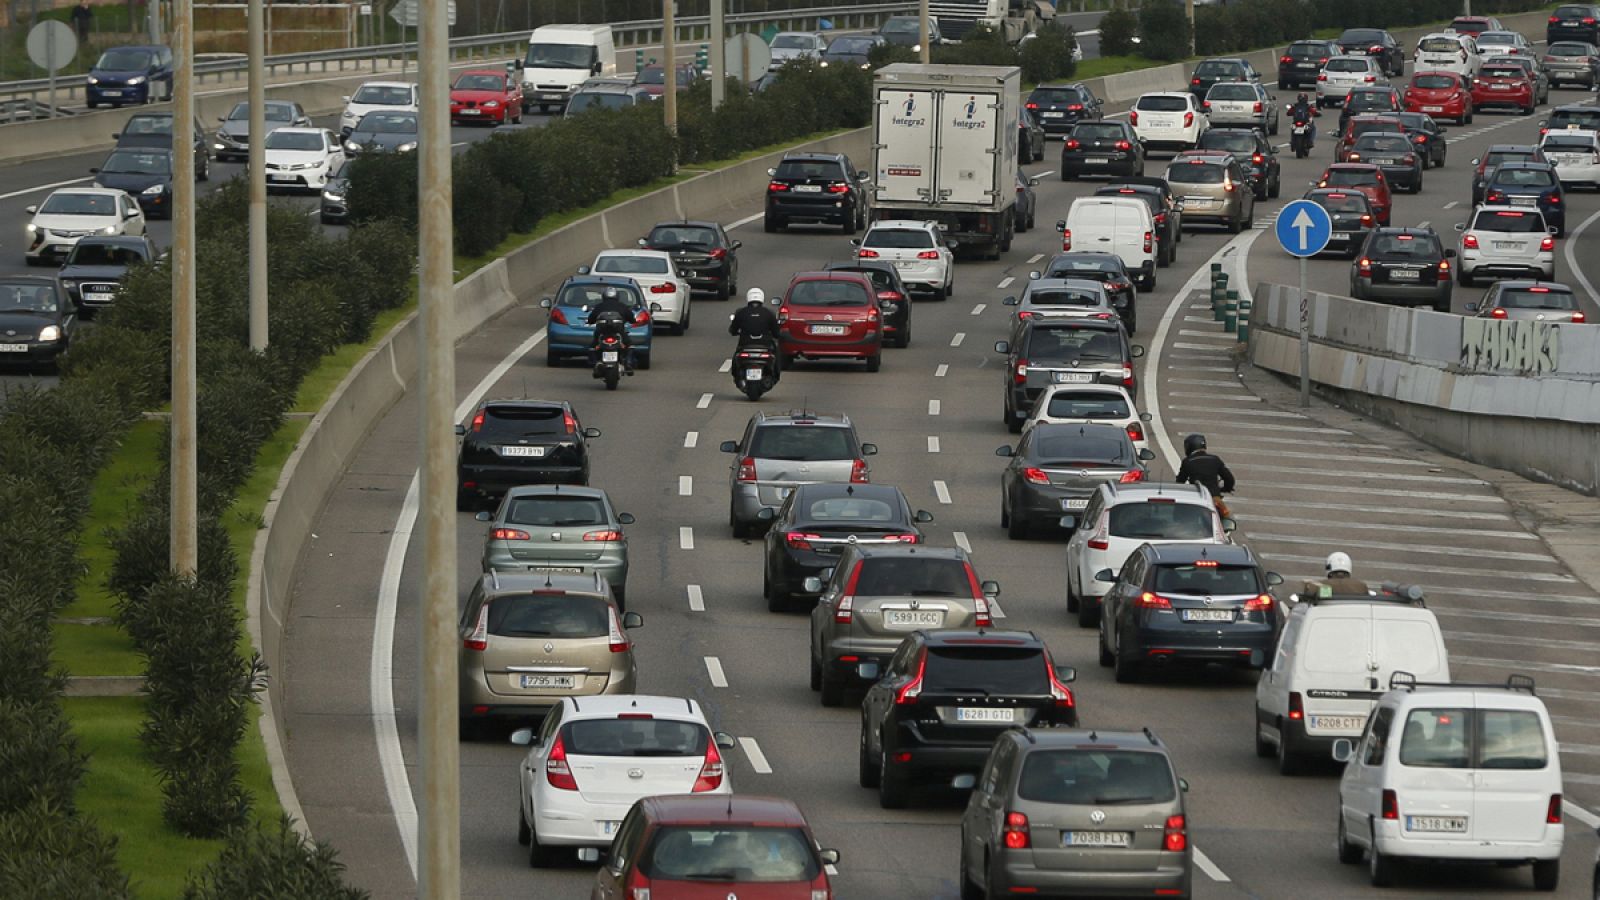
[851,50]
[739,844]
[1447,51]
[529,640]
[1107,147]
[1572,62]
[787,46]
[1248,105]
[1497,154]
[1540,301]
[1266,174]
[1394,153]
[72,213]
[509,443]
[308,157]
[1061,106]
[1574,22]
[1405,266]
[919,252]
[382,130]
[703,253]
[1342,74]
[1531,185]
[1055,470]
[1505,241]
[1427,135]
[487,96]
[1302,61]
[1216,188]
[1364,178]
[1504,86]
[124,75]
[93,272]
[1168,120]
[233,138]
[569,332]
[391,95]
[657,275]
[1043,352]
[1446,95]
[1106,268]
[563,530]
[1378,44]
[817,521]
[1576,156]
[894,298]
[817,188]
[944,698]
[589,762]
[1070,404]
[37,321]
[874,596]
[1212,72]
[831,316]
[779,451]
[1030,138]
[1351,216]
[1062,297]
[145,173]
[1075,813]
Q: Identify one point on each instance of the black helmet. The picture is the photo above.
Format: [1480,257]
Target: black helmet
[1193,444]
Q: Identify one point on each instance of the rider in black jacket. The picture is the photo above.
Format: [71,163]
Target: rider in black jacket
[755,325]
[1205,469]
[611,316]
[1302,111]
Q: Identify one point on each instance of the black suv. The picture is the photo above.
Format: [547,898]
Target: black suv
[894,300]
[1352,218]
[1404,266]
[1206,603]
[1428,135]
[946,696]
[1047,351]
[1217,71]
[823,188]
[1061,106]
[98,264]
[508,443]
[703,253]
[1163,208]
[1102,148]
[1248,144]
[1378,44]
[1574,22]
[1302,62]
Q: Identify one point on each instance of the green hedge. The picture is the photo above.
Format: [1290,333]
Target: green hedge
[1253,24]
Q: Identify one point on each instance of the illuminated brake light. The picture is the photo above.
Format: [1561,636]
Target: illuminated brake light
[1148,600]
[800,540]
[479,638]
[1175,837]
[1579,317]
[1469,242]
[569,422]
[1124,145]
[1205,104]
[477,421]
[1133,117]
[508,534]
[1072,144]
[776,186]
[1188,119]
[1497,313]
[1066,239]
[1297,708]
[1075,107]
[1547,245]
[643,318]
[1149,239]
[1391,805]
[1260,603]
[1135,431]
[1035,475]
[928,254]
[911,690]
[1033,106]
[1286,59]
[1016,832]
[556,770]
[1364,265]
[838,188]
[710,771]
[1131,476]
[1258,159]
[864,253]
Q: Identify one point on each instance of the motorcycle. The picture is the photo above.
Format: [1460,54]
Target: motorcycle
[755,370]
[608,360]
[1301,133]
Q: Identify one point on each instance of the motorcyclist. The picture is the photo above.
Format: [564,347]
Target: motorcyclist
[611,317]
[1338,582]
[1302,113]
[1207,470]
[755,325]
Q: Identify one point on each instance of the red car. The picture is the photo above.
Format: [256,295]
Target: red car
[1503,85]
[1443,95]
[831,315]
[485,95]
[1356,126]
[1363,177]
[700,847]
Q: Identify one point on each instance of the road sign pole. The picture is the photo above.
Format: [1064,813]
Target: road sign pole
[718,48]
[1305,340]
[669,64]
[50,55]
[256,43]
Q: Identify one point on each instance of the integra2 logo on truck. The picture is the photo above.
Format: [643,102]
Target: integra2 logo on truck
[906,120]
[970,121]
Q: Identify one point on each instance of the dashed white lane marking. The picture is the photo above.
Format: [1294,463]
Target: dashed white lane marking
[685,537]
[1199,318]
[960,538]
[1212,335]
[1188,368]
[697,598]
[758,760]
[1423,549]
[685,485]
[1218,349]
[942,491]
[746,221]
[705,402]
[933,443]
[978,310]
[1005,282]
[46,187]
[1046,174]
[714,669]
[956,341]
[727,366]
[1035,258]
[1452,204]
[1209,867]
[832,870]
[933,407]
[1424,223]
[690,439]
[995,612]
[941,371]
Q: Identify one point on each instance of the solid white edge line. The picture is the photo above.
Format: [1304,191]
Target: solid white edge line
[714,670]
[46,187]
[758,760]
[391,758]
[697,598]
[1572,261]
[744,221]
[1582,815]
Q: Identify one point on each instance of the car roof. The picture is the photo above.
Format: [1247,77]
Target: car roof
[814,157]
[698,223]
[967,637]
[1082,284]
[1231,554]
[394,84]
[525,403]
[1086,739]
[553,490]
[803,417]
[828,275]
[875,265]
[1061,322]
[1514,165]
[1522,284]
[609,706]
[714,809]
[500,583]
[1087,429]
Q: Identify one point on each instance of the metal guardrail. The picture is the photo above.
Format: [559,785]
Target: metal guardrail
[640,33]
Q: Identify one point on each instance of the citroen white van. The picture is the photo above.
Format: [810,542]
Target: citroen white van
[560,59]
[1120,225]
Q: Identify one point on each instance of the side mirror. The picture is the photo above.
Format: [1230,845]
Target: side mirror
[546,303]
[828,857]
[1343,750]
[524,737]
[767,514]
[1033,182]
[1136,351]
[632,620]
[867,671]
[484,516]
[1005,452]
[345,98]
[1476,161]
[964,782]
[736,245]
[1229,526]
[1183,785]
[625,518]
[1105,575]
[952,245]
[729,447]
[1066,674]
[1147,454]
[116,136]
[131,214]
[588,854]
[1002,346]
[1472,307]
[1068,523]
[869,449]
[990,588]
[30,210]
[1553,231]
[655,307]
[1449,253]
[591,432]
[1034,276]
[1274,579]
[583,270]
[94,170]
[461,430]
[855,242]
[811,585]
[222,118]
[723,740]
[922,517]
[1009,301]
[643,242]
[1461,226]
[1145,417]
[771,172]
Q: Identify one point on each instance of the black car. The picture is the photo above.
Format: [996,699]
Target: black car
[1101,148]
[944,698]
[822,188]
[37,321]
[1302,62]
[145,173]
[1428,135]
[335,208]
[1063,351]
[1405,267]
[817,521]
[1530,184]
[1162,209]
[703,253]
[1500,153]
[1106,268]
[1217,71]
[94,270]
[1574,22]
[1056,468]
[1169,200]
[1378,44]
[510,443]
[1266,173]
[1061,106]
[1373,101]
[1030,137]
[1395,154]
[851,50]
[894,301]
[154,130]
[384,130]
[1196,603]
[1351,215]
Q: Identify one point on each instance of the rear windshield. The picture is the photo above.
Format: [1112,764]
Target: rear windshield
[1056,96]
[1155,520]
[827,293]
[800,170]
[1434,82]
[1363,100]
[735,854]
[1496,158]
[1568,142]
[1503,72]
[383,96]
[1199,578]
[1362,35]
[549,615]
[1542,299]
[1065,297]
[1196,173]
[628,736]
[1501,38]
[1572,12]
[1357,129]
[525,420]
[1524,178]
[1214,69]
[633,265]
[1317,50]
[1351,202]
[1469,26]
[898,239]
[1385,143]
[1096,777]
[1409,246]
[1068,447]
[850,510]
[1567,48]
[1350,178]
[674,236]
[1511,739]
[1439,45]
[1582,118]
[1081,267]
[1349,64]
[911,576]
[589,294]
[1002,671]
[1066,344]
[1098,131]
[1078,404]
[1231,92]
[1234,141]
[1507,220]
[555,511]
[801,442]
[1436,739]
[1162,103]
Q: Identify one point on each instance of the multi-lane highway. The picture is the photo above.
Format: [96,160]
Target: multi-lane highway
[1311,482]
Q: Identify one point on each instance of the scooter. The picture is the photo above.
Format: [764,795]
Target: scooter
[755,371]
[608,360]
[1301,135]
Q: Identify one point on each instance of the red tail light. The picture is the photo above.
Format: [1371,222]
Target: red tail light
[1133,117]
[1297,706]
[1072,144]
[1552,814]
[1548,244]
[569,422]
[1258,159]
[1021,374]
[556,771]
[1066,239]
[1204,104]
[980,611]
[1374,49]
[1494,197]
[1322,77]
[1554,19]
[719,253]
[1161,218]
[1444,267]
[1060,693]
[1555,199]
[638,885]
[479,638]
[664,288]
[1148,600]
[1188,119]
[710,771]
[1579,317]
[1258,106]
[1364,266]
[1497,313]
[1409,158]
[864,253]
[1261,603]
[508,534]
[619,641]
[1034,475]
[1370,79]
[1366,219]
[557,316]
[844,612]
[1589,20]
[1098,543]
[605,535]
[1016,832]
[1033,105]
[747,469]
[643,318]
[911,690]
[1149,240]
[1176,836]
[1194,81]
[477,421]
[799,540]
[1131,476]
[838,188]
[776,186]
[1286,60]
[1075,107]
[1420,138]
[1391,805]
[928,254]
[858,472]
[1124,145]
[1322,61]
[1470,242]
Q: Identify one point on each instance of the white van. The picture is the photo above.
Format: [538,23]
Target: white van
[1467,772]
[1120,225]
[560,58]
[1447,51]
[1334,660]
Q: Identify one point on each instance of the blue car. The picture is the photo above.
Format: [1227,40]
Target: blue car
[569,332]
[1530,184]
[126,75]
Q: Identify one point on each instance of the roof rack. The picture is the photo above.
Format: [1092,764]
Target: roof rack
[1387,592]
[1405,681]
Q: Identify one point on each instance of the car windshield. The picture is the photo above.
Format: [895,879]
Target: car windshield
[1067,344]
[1541,298]
[584,101]
[1206,577]
[801,443]
[987,670]
[379,123]
[1064,297]
[1434,82]
[284,139]
[1509,220]
[651,75]
[1348,64]
[900,24]
[1162,103]
[1350,178]
[1435,739]
[1408,246]
[559,56]
[73,204]
[1384,143]
[124,60]
[850,510]
[851,45]
[1218,69]
[827,293]
[378,95]
[149,125]
[1066,446]
[633,265]
[1196,172]
[1502,72]
[135,162]
[1081,777]
[1158,519]
[804,42]
[1345,202]
[556,511]
[22,296]
[1439,45]
[634,736]
[1232,92]
[1233,141]
[549,615]
[480,82]
[1533,178]
[1082,403]
[91,253]
[1567,49]
[1055,96]
[274,112]
[737,854]
[912,576]
[675,236]
[898,239]
[587,295]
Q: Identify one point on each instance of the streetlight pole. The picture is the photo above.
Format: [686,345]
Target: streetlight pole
[184,537]
[719,73]
[669,63]
[925,52]
[1188,11]
[257,173]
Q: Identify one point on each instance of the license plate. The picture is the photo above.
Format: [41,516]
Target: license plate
[1386,161]
[1075,504]
[1096,838]
[1161,123]
[112,93]
[1053,115]
[752,374]
[969,714]
[1404,275]
[1336,723]
[557,570]
[1499,87]
[905,264]
[1208,615]
[1072,377]
[1508,245]
[808,188]
[13,348]
[1447,824]
[564,682]
[1305,65]
[278,176]
[914,618]
[471,112]
[608,356]
[521,451]
[827,329]
[1433,109]
[1097,160]
[609,827]
[1524,201]
[552,96]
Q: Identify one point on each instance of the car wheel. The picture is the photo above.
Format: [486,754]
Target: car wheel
[465,500]
[1288,753]
[1277,187]
[539,856]
[1349,854]
[850,223]
[1547,874]
[524,833]
[970,891]
[1088,613]
[1146,284]
[1065,175]
[1107,659]
[777,597]
[642,361]
[1263,747]
[832,690]
[620,592]
[771,224]
[1123,667]
[1236,224]
[875,362]
[816,673]
[867,768]
[1380,868]
[1016,527]
[894,788]
[551,358]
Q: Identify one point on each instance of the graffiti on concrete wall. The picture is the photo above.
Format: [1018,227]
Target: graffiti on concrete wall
[1510,345]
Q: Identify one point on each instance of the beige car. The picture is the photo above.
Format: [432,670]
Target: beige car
[529,640]
[1214,187]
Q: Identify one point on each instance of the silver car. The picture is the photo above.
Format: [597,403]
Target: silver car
[551,529]
[1342,74]
[1063,298]
[1247,104]
[792,45]
[779,451]
[1539,301]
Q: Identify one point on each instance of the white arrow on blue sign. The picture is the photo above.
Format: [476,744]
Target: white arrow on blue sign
[1303,228]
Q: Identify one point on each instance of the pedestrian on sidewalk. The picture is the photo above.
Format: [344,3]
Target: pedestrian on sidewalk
[83,20]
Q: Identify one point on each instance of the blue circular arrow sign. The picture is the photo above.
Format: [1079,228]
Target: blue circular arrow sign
[1303,228]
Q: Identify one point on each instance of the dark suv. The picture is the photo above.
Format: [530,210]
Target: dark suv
[1102,148]
[946,696]
[1217,71]
[1302,61]
[508,443]
[1045,351]
[894,299]
[1404,266]
[1574,22]
[1484,165]
[702,251]
[1061,106]
[1378,44]
[1530,184]
[824,188]
[1248,144]
[1206,603]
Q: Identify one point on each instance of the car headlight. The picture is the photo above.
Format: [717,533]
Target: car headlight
[136,81]
[823,64]
[916,48]
[109,229]
[352,147]
[333,197]
[32,228]
[68,283]
[153,190]
[218,146]
[491,104]
[407,147]
[93,80]
[49,334]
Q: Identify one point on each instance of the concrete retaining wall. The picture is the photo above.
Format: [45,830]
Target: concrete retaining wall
[383,376]
[1518,395]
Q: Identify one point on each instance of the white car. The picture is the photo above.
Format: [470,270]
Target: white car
[657,276]
[921,255]
[1447,51]
[593,757]
[377,95]
[72,213]
[790,45]
[1506,242]
[1342,74]
[302,157]
[1576,155]
[1168,120]
[1105,403]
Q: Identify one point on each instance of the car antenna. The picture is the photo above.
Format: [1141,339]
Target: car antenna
[1094,735]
